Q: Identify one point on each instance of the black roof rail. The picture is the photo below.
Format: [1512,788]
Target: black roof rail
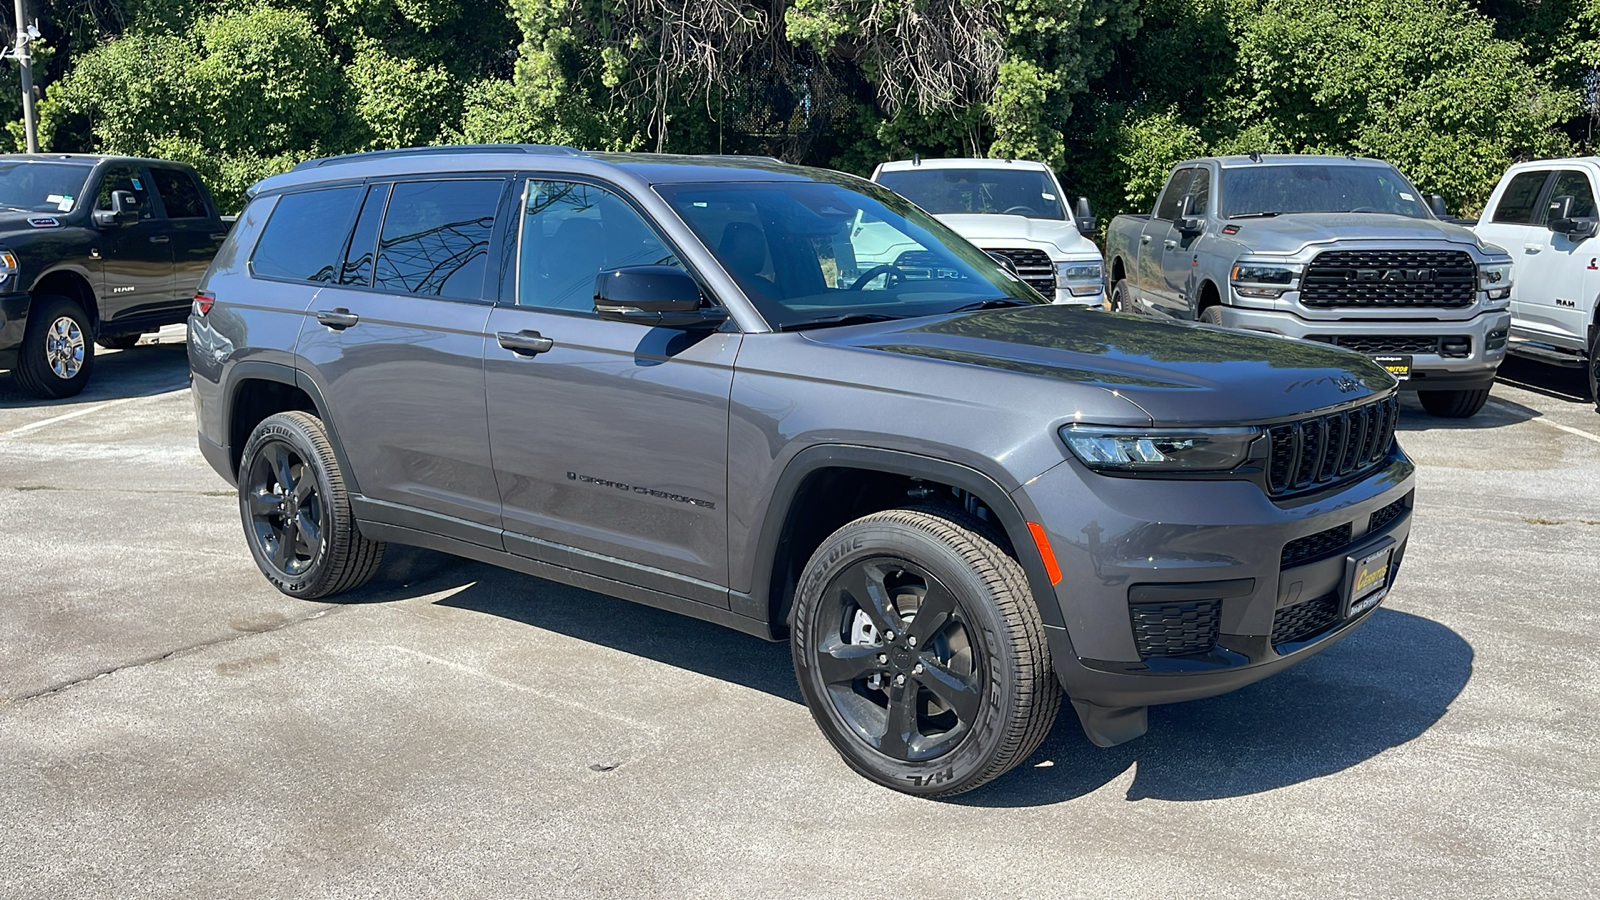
[541,149]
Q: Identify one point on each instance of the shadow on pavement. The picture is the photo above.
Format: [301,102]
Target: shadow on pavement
[144,371]
[1556,382]
[1384,685]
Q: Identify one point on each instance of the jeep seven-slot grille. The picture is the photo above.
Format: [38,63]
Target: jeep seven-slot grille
[1458,345]
[1327,449]
[1304,620]
[1175,629]
[1314,546]
[1383,517]
[1390,279]
[1033,267]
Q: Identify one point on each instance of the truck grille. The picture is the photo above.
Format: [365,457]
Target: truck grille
[1390,279]
[1175,629]
[1303,620]
[1033,267]
[1323,450]
[1456,345]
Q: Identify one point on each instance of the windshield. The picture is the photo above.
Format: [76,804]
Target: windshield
[1016,192]
[1318,188]
[811,252]
[42,186]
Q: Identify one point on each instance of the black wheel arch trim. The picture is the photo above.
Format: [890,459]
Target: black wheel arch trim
[261,370]
[760,602]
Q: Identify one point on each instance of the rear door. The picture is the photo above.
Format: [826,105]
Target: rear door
[1556,289]
[137,281]
[193,225]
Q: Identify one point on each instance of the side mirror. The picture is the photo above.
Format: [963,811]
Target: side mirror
[1562,221]
[124,209]
[653,295]
[1085,218]
[1436,203]
[1191,222]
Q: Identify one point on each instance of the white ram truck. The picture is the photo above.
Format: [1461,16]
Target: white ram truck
[1014,209]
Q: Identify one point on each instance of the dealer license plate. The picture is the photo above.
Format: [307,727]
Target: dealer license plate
[1398,366]
[1369,581]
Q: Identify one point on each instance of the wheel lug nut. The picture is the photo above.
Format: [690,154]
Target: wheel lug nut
[917,670]
[888,635]
[900,679]
[883,659]
[912,640]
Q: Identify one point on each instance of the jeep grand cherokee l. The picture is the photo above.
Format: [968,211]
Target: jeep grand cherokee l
[652,377]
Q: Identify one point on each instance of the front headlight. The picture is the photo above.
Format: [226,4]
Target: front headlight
[1265,281]
[1081,279]
[8,264]
[1495,278]
[1159,449]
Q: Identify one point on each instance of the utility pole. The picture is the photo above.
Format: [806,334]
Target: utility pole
[24,35]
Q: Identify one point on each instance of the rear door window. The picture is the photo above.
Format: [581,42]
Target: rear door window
[180,194]
[435,237]
[302,239]
[1516,204]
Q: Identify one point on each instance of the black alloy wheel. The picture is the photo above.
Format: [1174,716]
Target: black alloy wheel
[287,518]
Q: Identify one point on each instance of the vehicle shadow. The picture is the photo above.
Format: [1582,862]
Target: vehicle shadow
[1555,382]
[1382,686]
[144,371]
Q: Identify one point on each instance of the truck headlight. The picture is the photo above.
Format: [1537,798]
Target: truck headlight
[8,264]
[1495,279]
[1266,281]
[1081,279]
[1159,449]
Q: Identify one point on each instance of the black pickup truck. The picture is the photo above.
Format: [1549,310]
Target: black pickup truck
[94,249]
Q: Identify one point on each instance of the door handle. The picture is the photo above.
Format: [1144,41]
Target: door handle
[159,239]
[337,319]
[1169,244]
[1144,239]
[525,342]
[1533,248]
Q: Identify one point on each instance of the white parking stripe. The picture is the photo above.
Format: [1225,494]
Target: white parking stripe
[1543,421]
[45,423]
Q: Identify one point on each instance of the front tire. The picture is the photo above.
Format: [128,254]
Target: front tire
[57,355]
[296,512]
[1453,404]
[1594,368]
[921,653]
[1212,315]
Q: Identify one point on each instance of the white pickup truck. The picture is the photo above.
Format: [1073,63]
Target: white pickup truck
[1544,213]
[1013,209]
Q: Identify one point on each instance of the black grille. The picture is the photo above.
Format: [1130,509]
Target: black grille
[1316,452]
[1388,514]
[1175,629]
[1390,278]
[1034,267]
[1303,620]
[1397,343]
[1314,546]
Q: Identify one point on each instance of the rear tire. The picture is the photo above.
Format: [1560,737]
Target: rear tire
[57,355]
[921,654]
[1117,300]
[296,512]
[1453,404]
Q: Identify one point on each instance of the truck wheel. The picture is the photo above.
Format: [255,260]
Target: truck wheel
[1594,368]
[1117,300]
[57,355]
[921,654]
[1212,315]
[296,512]
[118,341]
[1453,404]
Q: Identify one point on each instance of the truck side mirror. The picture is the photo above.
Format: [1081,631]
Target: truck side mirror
[1085,218]
[124,209]
[1436,203]
[1562,221]
[1191,222]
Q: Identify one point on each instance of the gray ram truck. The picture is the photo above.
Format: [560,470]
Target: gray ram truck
[1332,249]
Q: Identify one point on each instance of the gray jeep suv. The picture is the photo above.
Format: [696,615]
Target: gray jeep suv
[672,380]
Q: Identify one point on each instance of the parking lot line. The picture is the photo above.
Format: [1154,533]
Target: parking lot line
[1543,421]
[53,420]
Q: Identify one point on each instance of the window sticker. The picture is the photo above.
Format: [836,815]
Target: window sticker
[62,202]
[1406,196]
[137,185]
[1048,196]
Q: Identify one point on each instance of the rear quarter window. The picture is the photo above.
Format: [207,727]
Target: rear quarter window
[307,230]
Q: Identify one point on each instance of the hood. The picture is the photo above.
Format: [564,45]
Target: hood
[1178,373]
[13,222]
[993,231]
[1290,232]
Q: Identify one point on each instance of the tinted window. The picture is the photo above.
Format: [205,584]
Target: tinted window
[1018,192]
[1201,191]
[41,186]
[436,238]
[1569,183]
[1172,197]
[364,240]
[1318,188]
[1516,204]
[569,232]
[125,178]
[303,237]
[180,193]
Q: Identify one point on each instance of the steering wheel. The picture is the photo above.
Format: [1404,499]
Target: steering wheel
[1019,210]
[894,272]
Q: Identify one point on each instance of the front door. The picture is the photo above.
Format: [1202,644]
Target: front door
[610,445]
[1516,224]
[138,279]
[1555,290]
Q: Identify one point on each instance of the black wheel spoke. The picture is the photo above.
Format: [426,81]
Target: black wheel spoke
[958,692]
[306,487]
[310,533]
[864,584]
[900,722]
[845,663]
[263,503]
[937,609]
[283,554]
[280,467]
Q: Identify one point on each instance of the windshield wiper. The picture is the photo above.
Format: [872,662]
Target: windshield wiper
[1256,215]
[993,303]
[829,321]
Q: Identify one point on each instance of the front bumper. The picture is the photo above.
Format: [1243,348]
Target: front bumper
[1486,332]
[1125,543]
[13,324]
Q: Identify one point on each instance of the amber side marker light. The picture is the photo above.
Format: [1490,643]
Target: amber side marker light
[1042,541]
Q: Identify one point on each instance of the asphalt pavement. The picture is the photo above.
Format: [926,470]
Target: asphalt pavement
[172,726]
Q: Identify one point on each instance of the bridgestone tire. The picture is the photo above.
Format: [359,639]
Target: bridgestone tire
[1013,695]
[1117,300]
[35,373]
[118,341]
[340,558]
[1211,315]
[1453,404]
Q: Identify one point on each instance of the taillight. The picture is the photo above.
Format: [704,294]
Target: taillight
[203,301]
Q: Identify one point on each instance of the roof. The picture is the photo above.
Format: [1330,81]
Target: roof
[1285,159]
[85,158]
[637,168]
[901,165]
